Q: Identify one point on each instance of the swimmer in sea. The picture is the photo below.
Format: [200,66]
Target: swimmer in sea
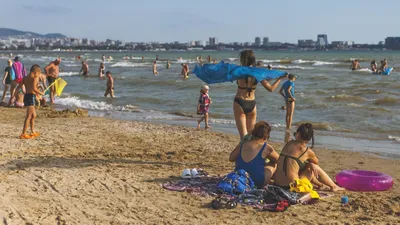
[101,70]
[85,69]
[110,85]
[185,70]
[259,64]
[374,66]
[142,58]
[355,65]
[209,59]
[168,65]
[155,68]
[103,58]
[269,67]
[157,57]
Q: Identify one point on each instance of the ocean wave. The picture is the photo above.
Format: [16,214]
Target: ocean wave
[68,74]
[71,65]
[232,59]
[86,104]
[300,61]
[394,138]
[362,70]
[387,101]
[316,125]
[270,60]
[287,67]
[344,97]
[123,64]
[322,63]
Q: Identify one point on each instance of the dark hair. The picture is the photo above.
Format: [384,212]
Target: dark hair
[261,131]
[108,72]
[35,68]
[247,58]
[306,132]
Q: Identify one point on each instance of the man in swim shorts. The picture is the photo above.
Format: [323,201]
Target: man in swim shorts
[31,86]
[355,65]
[110,85]
[85,69]
[52,71]
[155,68]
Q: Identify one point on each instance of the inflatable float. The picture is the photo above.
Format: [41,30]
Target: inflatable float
[387,71]
[224,72]
[363,180]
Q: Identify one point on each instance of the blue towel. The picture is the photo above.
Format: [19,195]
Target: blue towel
[224,72]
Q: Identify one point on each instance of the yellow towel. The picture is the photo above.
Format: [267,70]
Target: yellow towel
[60,85]
[303,186]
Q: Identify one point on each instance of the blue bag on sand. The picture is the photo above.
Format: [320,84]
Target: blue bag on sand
[237,182]
[224,72]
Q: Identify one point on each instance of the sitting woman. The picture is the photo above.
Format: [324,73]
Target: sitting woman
[19,97]
[298,161]
[251,155]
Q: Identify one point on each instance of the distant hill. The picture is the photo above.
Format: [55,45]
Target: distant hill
[6,32]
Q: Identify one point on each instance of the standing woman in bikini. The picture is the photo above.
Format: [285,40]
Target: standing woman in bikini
[244,105]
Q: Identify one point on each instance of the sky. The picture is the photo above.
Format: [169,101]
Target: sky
[362,21]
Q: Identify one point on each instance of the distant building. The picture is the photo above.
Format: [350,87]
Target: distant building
[257,42]
[322,40]
[93,42]
[306,43]
[349,43]
[265,41]
[274,44]
[200,43]
[381,43]
[85,41]
[337,44]
[213,41]
[392,43]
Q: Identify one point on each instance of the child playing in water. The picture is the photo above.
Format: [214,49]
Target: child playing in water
[110,85]
[203,106]
[31,85]
[287,91]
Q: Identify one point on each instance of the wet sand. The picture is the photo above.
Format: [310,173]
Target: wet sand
[99,171]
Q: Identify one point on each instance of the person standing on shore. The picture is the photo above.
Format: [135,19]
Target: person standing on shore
[31,85]
[203,106]
[244,104]
[155,68]
[110,85]
[9,81]
[19,69]
[287,91]
[85,69]
[52,72]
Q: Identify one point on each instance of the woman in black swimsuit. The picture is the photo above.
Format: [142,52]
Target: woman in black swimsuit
[299,161]
[244,105]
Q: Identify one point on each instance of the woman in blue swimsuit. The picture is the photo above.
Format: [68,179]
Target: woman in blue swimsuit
[244,105]
[251,155]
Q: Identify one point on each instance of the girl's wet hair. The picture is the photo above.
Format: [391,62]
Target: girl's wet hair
[35,69]
[306,132]
[261,131]
[247,58]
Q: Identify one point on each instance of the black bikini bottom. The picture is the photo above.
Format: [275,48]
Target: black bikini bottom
[247,105]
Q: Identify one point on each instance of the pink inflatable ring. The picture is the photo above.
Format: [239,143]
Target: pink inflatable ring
[363,180]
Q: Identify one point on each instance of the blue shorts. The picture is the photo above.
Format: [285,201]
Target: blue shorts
[29,99]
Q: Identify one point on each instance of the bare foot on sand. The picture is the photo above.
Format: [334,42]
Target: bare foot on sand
[337,189]
[207,127]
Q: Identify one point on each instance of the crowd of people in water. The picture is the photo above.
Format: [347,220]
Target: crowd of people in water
[355,65]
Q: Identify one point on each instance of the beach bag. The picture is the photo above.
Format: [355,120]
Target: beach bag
[235,183]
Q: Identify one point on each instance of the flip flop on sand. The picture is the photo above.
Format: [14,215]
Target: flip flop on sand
[25,136]
[35,134]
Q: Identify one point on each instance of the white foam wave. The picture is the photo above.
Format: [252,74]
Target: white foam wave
[394,138]
[322,63]
[270,61]
[185,61]
[86,104]
[300,61]
[222,121]
[363,70]
[123,64]
[67,74]
[71,65]
[232,59]
[287,67]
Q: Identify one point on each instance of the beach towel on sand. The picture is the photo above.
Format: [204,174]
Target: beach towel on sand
[224,72]
[260,199]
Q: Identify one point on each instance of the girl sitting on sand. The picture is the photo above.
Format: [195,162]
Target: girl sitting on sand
[19,97]
[203,106]
[299,161]
[250,155]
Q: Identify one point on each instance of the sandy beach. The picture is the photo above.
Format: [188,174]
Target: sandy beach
[85,170]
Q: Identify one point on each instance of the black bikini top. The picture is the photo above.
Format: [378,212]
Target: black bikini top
[249,89]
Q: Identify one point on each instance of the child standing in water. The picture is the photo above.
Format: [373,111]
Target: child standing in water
[203,106]
[287,91]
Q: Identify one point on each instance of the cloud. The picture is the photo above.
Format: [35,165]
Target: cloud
[47,9]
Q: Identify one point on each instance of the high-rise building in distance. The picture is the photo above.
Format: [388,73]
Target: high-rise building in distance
[325,40]
[213,41]
[257,41]
[265,41]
